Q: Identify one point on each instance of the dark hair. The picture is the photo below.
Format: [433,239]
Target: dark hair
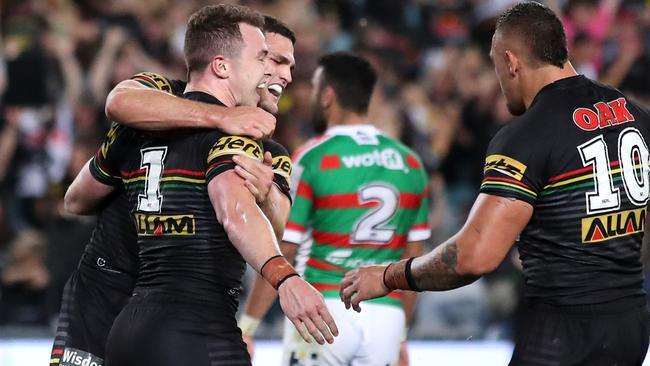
[214,30]
[352,78]
[539,28]
[273,25]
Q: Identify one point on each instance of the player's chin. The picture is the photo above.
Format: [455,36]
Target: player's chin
[268,105]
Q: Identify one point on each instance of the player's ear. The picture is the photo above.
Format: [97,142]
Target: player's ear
[327,97]
[220,67]
[512,63]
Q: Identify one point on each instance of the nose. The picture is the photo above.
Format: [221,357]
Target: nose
[285,75]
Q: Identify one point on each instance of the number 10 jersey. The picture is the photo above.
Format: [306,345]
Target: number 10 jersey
[579,156]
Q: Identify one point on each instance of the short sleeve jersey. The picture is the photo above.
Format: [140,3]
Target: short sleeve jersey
[183,249]
[359,198]
[579,156]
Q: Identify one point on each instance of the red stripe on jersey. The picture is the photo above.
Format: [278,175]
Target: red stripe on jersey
[58,351]
[315,263]
[183,171]
[214,165]
[351,200]
[506,180]
[328,162]
[420,227]
[294,226]
[395,295]
[413,162]
[126,174]
[344,240]
[581,170]
[304,190]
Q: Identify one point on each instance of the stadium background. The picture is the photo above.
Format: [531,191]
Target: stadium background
[437,92]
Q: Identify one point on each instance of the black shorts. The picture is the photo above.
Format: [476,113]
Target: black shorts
[88,308]
[160,333]
[608,334]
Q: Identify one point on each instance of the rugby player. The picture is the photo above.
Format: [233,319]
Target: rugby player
[104,279]
[226,69]
[567,180]
[360,198]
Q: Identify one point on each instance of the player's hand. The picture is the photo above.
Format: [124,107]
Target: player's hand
[306,309]
[247,121]
[403,354]
[250,345]
[258,176]
[362,284]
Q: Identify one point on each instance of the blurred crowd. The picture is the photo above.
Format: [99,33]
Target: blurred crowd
[437,93]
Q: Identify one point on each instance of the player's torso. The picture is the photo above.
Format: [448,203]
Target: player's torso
[183,248]
[582,244]
[113,248]
[366,194]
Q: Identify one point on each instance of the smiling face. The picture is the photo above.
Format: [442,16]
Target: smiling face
[249,68]
[280,64]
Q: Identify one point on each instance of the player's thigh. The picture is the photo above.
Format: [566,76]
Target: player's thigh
[383,329]
[344,349]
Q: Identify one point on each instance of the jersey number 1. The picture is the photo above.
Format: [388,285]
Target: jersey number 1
[152,162]
[632,150]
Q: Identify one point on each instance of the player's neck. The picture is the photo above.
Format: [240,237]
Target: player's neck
[218,88]
[546,76]
[340,117]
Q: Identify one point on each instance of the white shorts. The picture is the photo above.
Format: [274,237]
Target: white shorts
[369,338]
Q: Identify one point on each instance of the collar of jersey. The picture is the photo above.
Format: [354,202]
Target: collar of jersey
[351,130]
[200,96]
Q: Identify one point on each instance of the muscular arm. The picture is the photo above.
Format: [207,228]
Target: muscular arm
[85,194]
[490,231]
[135,105]
[238,212]
[276,208]
[413,249]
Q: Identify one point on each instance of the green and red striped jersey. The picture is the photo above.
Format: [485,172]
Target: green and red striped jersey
[359,198]
[579,156]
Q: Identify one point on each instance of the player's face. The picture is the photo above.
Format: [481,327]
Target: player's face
[280,63]
[508,81]
[249,68]
[318,116]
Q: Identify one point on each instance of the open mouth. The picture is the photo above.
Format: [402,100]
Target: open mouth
[275,89]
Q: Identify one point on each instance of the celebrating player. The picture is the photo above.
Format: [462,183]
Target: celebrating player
[567,179]
[362,196]
[104,279]
[189,271]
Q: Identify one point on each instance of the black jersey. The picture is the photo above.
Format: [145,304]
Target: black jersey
[579,156]
[183,250]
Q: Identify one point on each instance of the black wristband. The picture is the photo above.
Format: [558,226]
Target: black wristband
[409,276]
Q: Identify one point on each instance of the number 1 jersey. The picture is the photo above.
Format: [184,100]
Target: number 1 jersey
[579,156]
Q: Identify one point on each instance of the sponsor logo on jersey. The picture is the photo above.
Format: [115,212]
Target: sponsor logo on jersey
[282,166]
[158,225]
[505,165]
[75,357]
[236,145]
[603,115]
[343,258]
[388,158]
[613,225]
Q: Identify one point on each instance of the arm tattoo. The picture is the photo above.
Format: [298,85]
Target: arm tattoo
[438,271]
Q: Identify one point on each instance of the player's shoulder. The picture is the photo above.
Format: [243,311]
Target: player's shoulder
[312,149]
[221,143]
[157,81]
[274,147]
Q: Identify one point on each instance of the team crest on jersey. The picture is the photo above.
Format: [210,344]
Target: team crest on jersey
[614,225]
[236,145]
[282,166]
[603,115]
[505,165]
[158,225]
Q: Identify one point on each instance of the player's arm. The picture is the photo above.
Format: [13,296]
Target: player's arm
[146,102]
[490,231]
[85,194]
[413,249]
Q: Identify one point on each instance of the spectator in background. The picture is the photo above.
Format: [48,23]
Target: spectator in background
[23,281]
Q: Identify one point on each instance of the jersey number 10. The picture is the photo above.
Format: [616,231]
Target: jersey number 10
[632,164]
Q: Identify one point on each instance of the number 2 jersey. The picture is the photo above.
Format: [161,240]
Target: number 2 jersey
[183,250]
[360,197]
[579,156]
